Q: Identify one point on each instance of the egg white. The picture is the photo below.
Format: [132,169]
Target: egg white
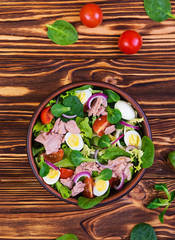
[100,187]
[74,141]
[84,95]
[52,177]
[133,138]
[126,109]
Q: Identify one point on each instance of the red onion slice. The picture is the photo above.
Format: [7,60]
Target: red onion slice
[96,153]
[121,183]
[69,117]
[105,166]
[51,165]
[81,174]
[130,148]
[94,96]
[129,125]
[117,139]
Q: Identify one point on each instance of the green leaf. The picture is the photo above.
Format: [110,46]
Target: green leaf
[158,10]
[172,196]
[157,203]
[38,127]
[87,203]
[104,142]
[75,105]
[37,148]
[148,155]
[83,124]
[58,109]
[83,87]
[105,174]
[143,231]
[163,187]
[161,215]
[44,168]
[51,103]
[112,153]
[68,236]
[77,158]
[112,96]
[114,115]
[62,33]
[63,190]
[171,156]
[65,163]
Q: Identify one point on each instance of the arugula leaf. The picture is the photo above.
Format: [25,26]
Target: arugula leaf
[62,33]
[63,190]
[76,107]
[148,152]
[77,158]
[105,174]
[143,231]
[112,96]
[58,109]
[83,124]
[44,168]
[114,115]
[68,236]
[87,203]
[158,10]
[171,156]
[104,142]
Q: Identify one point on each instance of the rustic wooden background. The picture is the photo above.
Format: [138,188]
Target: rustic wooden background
[31,67]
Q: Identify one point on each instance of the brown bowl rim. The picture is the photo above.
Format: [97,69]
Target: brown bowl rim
[147,131]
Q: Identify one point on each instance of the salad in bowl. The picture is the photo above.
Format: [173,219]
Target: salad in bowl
[89,143]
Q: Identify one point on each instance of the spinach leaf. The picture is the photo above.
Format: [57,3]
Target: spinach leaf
[62,33]
[112,96]
[104,142]
[68,236]
[76,106]
[158,10]
[87,203]
[63,190]
[171,156]
[148,152]
[58,109]
[143,231]
[44,168]
[83,124]
[112,153]
[114,115]
[105,174]
[77,158]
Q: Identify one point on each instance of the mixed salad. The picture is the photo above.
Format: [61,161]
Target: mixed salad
[88,141]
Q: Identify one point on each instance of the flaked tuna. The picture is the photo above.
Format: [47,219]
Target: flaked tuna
[87,166]
[78,188]
[68,182]
[72,127]
[98,107]
[59,127]
[110,129]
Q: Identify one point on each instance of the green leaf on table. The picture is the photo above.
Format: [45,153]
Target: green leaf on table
[148,152]
[171,156]
[62,33]
[143,231]
[105,174]
[68,236]
[104,142]
[157,203]
[112,96]
[114,115]
[163,187]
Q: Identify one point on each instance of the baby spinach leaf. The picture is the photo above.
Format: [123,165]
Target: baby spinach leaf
[76,107]
[112,153]
[171,156]
[68,236]
[83,124]
[143,231]
[112,96]
[148,152]
[77,158]
[105,174]
[62,33]
[104,142]
[114,115]
[87,203]
[158,10]
[63,190]
[58,109]
[44,168]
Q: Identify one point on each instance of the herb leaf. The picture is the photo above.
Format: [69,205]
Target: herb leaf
[62,33]
[114,115]
[112,96]
[58,109]
[105,174]
[148,155]
[143,231]
[68,236]
[104,142]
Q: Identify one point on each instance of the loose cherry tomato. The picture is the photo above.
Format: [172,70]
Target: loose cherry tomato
[46,115]
[88,190]
[130,42]
[54,157]
[100,125]
[91,15]
[66,173]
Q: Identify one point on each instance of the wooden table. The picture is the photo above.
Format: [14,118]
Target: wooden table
[31,67]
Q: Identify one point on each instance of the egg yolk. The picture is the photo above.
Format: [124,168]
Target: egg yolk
[52,173]
[82,96]
[73,140]
[100,185]
[134,140]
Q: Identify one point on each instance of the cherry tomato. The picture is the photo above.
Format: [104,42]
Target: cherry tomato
[130,42]
[114,181]
[91,15]
[46,115]
[54,157]
[66,173]
[88,190]
[100,125]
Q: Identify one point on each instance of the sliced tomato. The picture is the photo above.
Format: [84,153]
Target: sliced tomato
[54,157]
[88,190]
[46,116]
[100,125]
[114,181]
[66,173]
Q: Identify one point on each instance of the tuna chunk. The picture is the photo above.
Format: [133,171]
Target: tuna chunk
[87,166]
[67,182]
[72,127]
[110,129]
[78,188]
[97,107]
[59,127]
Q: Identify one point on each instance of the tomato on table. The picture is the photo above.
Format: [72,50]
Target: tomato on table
[46,116]
[130,42]
[66,173]
[88,190]
[100,125]
[91,15]
[54,157]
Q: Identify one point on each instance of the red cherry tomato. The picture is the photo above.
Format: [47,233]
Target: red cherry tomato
[114,181]
[91,15]
[46,116]
[88,190]
[100,125]
[130,42]
[66,173]
[54,157]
